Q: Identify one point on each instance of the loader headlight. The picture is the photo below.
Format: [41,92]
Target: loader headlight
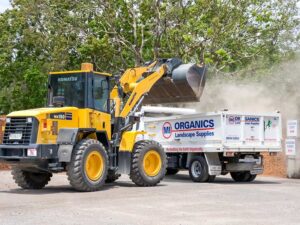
[29,120]
[7,120]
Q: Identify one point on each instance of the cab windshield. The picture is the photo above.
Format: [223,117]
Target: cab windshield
[69,86]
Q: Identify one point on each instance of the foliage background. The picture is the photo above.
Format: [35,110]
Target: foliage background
[241,39]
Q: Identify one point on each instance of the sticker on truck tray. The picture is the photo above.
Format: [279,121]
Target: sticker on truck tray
[189,129]
[232,119]
[252,120]
[251,128]
[233,128]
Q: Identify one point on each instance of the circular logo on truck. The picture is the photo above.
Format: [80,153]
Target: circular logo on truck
[167,130]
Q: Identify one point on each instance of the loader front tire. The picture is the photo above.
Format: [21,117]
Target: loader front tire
[148,163]
[88,168]
[30,180]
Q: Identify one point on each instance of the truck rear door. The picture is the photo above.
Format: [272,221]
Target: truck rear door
[253,132]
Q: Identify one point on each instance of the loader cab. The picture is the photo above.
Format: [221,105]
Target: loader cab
[82,89]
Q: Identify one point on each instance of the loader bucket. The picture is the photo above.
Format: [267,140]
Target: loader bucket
[185,84]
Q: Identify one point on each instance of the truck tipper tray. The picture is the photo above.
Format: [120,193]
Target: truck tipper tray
[229,142]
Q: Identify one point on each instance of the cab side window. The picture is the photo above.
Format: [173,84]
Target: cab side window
[100,93]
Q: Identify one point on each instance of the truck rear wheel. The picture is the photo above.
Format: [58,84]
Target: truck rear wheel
[88,168]
[198,169]
[172,171]
[30,180]
[244,176]
[148,163]
[252,177]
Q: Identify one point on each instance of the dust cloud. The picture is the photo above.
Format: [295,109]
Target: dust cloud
[278,91]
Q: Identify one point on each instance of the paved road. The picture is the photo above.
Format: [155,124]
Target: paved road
[177,200]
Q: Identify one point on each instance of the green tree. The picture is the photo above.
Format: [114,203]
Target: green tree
[38,36]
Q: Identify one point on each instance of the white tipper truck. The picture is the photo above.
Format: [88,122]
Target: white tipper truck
[212,144]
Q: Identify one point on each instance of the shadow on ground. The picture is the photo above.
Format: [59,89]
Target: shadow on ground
[219,180]
[68,189]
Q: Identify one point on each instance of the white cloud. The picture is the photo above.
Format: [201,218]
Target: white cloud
[4,4]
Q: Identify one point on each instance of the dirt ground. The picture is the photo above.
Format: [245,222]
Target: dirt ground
[177,200]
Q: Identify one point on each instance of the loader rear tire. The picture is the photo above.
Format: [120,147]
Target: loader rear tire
[198,169]
[148,163]
[30,180]
[172,171]
[244,176]
[88,168]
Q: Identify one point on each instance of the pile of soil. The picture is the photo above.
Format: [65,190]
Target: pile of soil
[275,165]
[4,166]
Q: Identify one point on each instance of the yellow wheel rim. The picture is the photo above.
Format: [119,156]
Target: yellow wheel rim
[152,163]
[94,165]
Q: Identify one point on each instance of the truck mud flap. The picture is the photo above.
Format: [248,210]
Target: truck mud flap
[257,170]
[213,162]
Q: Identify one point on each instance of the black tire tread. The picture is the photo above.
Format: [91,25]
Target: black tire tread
[23,179]
[74,168]
[211,178]
[244,176]
[112,177]
[135,174]
[172,171]
[205,176]
[252,178]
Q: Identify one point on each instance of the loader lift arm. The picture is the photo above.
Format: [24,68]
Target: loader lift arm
[163,81]
[140,89]
[131,82]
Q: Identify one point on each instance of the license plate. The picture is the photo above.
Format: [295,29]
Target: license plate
[15,136]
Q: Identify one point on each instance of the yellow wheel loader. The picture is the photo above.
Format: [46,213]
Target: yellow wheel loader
[86,128]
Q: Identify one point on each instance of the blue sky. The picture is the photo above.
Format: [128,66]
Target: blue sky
[4,4]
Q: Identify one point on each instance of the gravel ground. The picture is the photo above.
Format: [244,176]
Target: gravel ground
[177,200]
